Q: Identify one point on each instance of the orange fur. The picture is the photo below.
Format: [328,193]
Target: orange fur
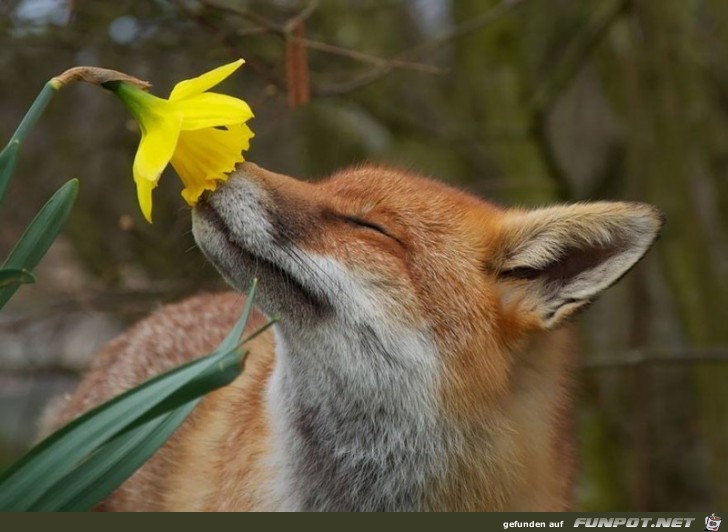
[490,286]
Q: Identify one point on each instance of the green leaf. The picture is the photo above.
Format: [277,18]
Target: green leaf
[40,234]
[13,277]
[112,474]
[114,462]
[9,155]
[85,460]
[8,158]
[56,456]
[233,337]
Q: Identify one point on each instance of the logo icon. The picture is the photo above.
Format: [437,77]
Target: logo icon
[712,523]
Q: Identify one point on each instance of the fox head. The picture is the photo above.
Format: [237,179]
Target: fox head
[417,252]
[411,370]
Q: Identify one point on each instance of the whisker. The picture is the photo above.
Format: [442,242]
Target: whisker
[314,270]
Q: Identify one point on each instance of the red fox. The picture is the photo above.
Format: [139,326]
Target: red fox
[420,362]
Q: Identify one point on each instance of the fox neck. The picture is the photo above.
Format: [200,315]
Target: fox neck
[354,416]
[357,425]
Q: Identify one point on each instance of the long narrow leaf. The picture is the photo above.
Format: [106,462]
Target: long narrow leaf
[29,480]
[215,376]
[67,447]
[9,155]
[130,462]
[8,159]
[233,338]
[111,464]
[13,276]
[40,234]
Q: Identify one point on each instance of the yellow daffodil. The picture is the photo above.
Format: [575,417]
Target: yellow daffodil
[203,134]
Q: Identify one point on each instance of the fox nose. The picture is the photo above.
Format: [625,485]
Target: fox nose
[204,197]
[270,181]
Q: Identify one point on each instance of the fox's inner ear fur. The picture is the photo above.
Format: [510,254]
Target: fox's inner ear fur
[555,260]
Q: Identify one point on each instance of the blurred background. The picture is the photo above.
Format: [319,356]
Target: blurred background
[522,101]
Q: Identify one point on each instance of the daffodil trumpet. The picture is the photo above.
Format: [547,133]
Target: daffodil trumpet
[202,134]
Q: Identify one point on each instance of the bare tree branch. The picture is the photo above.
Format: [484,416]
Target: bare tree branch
[367,58]
[119,303]
[229,42]
[475,24]
[616,361]
[306,12]
[265,25]
[657,357]
[30,371]
[579,49]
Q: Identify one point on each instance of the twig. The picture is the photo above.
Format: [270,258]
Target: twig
[547,151]
[56,369]
[466,28]
[306,12]
[225,39]
[245,13]
[463,29]
[666,356]
[286,31]
[578,51]
[622,360]
[130,303]
[368,58]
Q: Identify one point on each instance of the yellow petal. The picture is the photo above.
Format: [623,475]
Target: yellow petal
[210,109]
[159,139]
[144,195]
[190,87]
[205,157]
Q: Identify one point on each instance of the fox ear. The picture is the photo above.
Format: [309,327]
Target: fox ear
[555,260]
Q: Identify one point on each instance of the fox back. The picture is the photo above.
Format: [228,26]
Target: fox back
[420,361]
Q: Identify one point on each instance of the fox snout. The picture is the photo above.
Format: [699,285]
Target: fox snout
[242,231]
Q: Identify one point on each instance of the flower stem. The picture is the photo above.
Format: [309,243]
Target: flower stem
[94,75]
[31,117]
[9,154]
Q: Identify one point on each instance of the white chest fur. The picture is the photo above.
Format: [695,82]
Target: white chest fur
[355,419]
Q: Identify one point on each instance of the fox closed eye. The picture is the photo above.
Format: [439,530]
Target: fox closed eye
[365,224]
[360,222]
[357,222]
